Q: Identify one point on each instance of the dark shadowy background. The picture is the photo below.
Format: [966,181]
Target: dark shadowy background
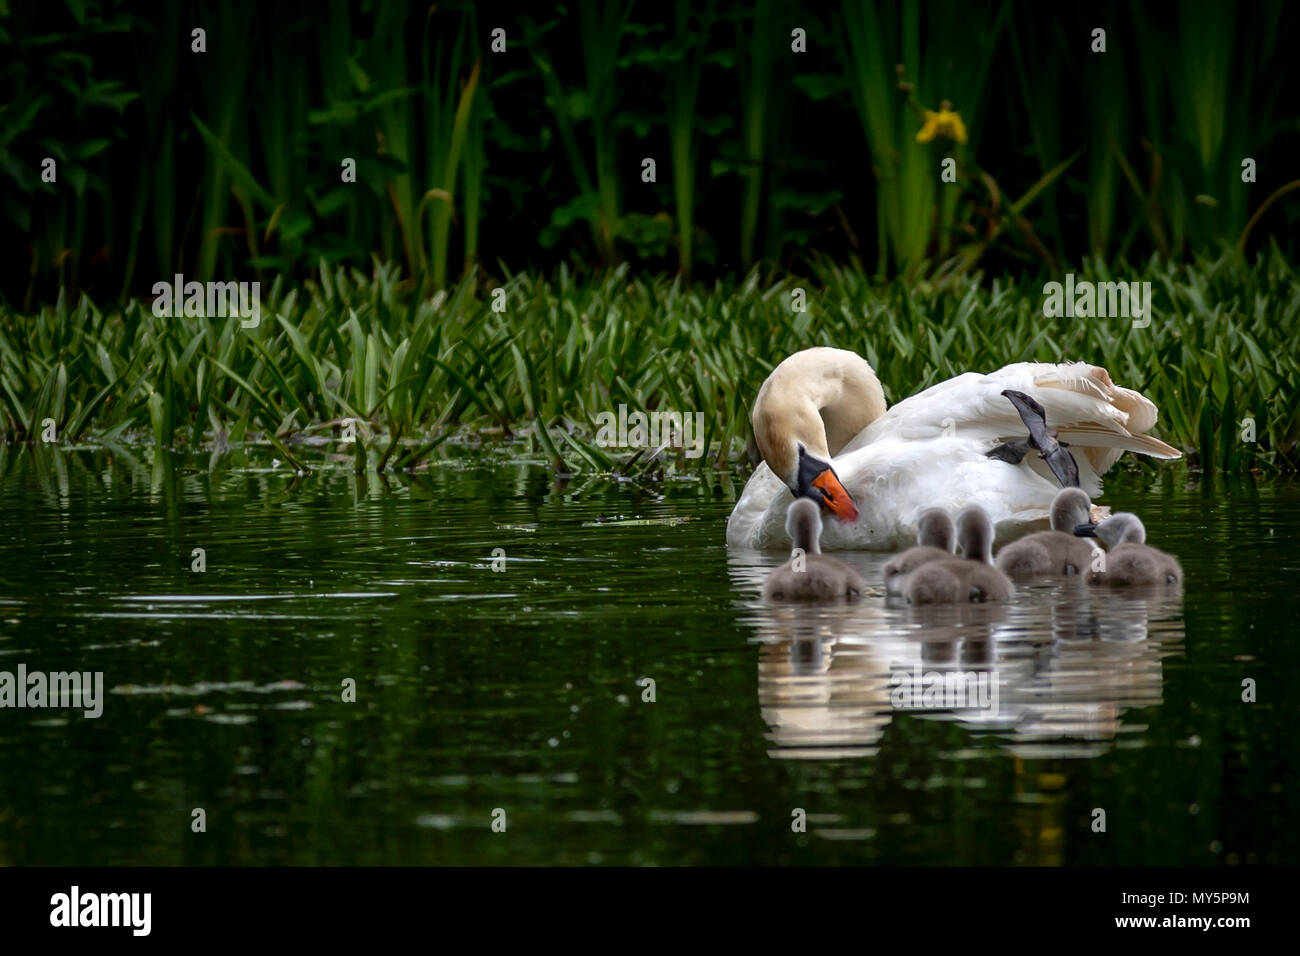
[227,163]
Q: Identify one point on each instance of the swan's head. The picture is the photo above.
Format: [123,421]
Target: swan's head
[814,478]
[804,466]
[808,409]
[1070,508]
[1120,528]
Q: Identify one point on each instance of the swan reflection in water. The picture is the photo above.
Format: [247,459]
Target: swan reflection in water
[1057,667]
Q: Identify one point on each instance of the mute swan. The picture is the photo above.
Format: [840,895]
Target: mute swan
[811,576]
[1129,560]
[958,580]
[821,426]
[935,538]
[1052,552]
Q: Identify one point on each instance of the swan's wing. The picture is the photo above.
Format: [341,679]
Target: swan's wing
[1098,418]
[895,480]
[1087,409]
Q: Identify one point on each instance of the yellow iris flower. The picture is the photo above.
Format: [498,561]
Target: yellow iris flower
[946,122]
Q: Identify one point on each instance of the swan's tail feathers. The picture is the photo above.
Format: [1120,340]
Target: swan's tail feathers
[1104,442]
[1099,418]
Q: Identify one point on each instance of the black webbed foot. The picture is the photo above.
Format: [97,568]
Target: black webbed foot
[1013,452]
[1044,439]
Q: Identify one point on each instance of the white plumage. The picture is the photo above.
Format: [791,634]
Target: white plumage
[930,451]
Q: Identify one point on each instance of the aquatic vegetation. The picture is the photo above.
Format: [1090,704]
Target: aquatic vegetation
[543,359]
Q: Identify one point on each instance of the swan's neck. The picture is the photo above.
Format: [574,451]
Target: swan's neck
[819,397]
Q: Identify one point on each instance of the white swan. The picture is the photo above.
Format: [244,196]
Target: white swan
[823,431]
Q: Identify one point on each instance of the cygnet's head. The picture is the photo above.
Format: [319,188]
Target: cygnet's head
[1120,528]
[1071,507]
[975,534]
[935,529]
[803,523]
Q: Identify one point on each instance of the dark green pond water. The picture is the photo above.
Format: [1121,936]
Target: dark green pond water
[518,694]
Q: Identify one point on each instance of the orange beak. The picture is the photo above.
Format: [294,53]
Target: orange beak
[834,497]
